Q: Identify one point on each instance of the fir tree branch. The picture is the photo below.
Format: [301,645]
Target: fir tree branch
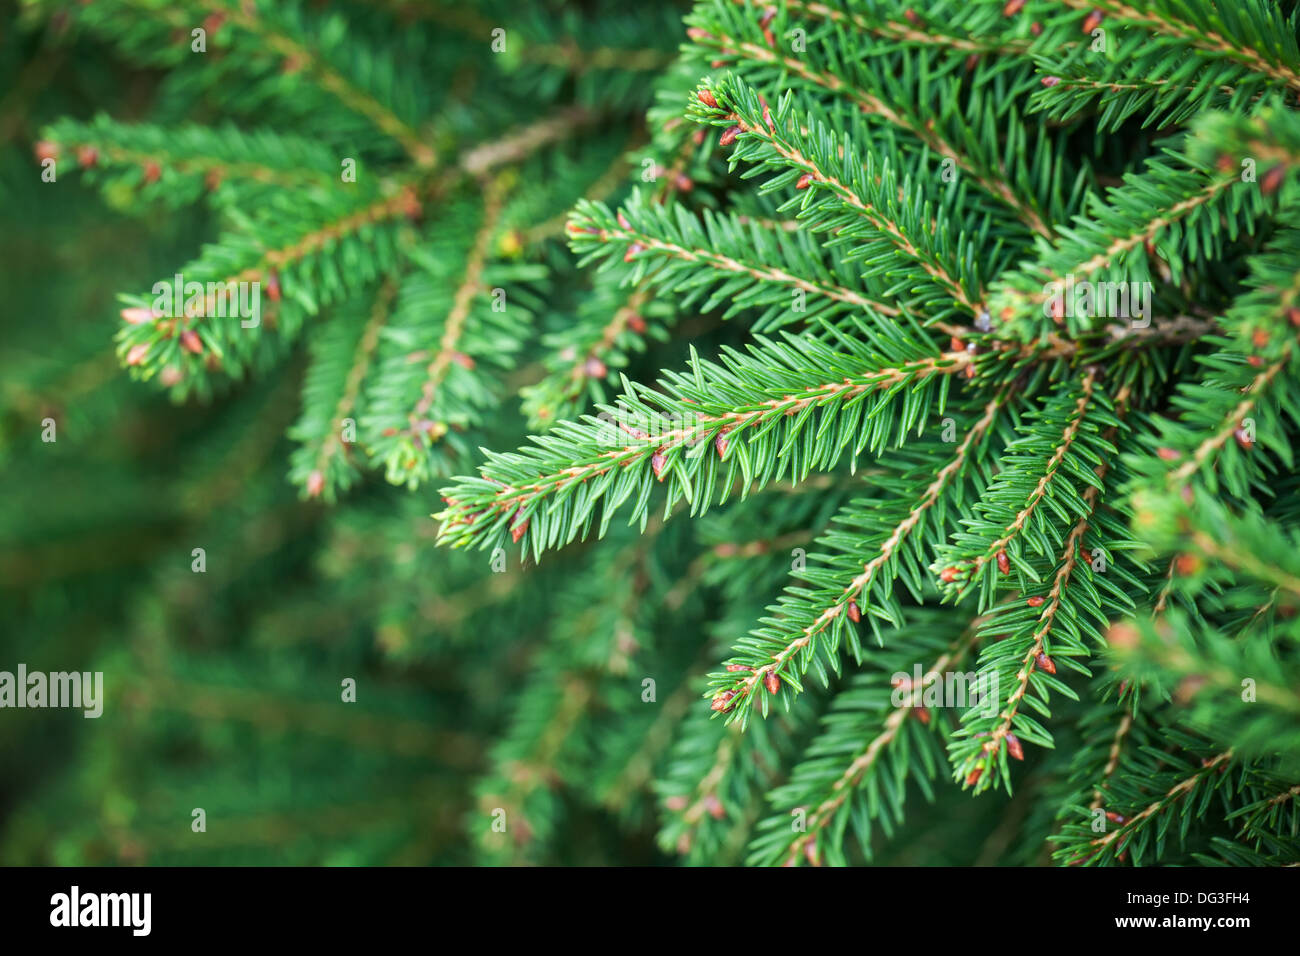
[1121,835]
[992,181]
[970,571]
[843,787]
[195,151]
[321,465]
[715,776]
[478,509]
[1112,759]
[1023,301]
[1236,557]
[360,364]
[586,353]
[351,96]
[735,696]
[1209,448]
[1162,17]
[524,141]
[639,772]
[520,776]
[588,365]
[1147,652]
[934,32]
[772,139]
[453,328]
[609,182]
[646,234]
[1035,657]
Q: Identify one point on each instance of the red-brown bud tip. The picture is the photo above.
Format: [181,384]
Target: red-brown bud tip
[1271,181]
[658,461]
[1014,748]
[714,806]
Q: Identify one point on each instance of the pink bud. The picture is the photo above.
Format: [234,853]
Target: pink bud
[658,461]
[138,316]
